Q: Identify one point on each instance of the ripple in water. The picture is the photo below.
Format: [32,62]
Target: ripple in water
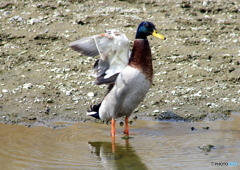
[154,145]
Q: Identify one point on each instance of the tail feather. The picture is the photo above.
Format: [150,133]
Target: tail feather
[94,111]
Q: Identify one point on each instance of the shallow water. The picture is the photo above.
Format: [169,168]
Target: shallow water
[154,145]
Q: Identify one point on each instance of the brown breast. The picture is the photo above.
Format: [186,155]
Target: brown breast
[141,58]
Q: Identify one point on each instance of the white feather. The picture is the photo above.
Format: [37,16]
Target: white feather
[129,90]
[90,113]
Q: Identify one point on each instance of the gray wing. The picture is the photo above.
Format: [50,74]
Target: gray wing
[113,49]
[93,46]
[85,46]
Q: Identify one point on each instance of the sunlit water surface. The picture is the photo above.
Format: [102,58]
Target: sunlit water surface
[155,145]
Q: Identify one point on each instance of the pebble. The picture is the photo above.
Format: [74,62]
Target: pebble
[68,93]
[4,90]
[212,105]
[206,148]
[27,86]
[6,13]
[33,21]
[50,100]
[16,18]
[90,94]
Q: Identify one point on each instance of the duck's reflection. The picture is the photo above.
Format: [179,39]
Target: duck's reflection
[116,156]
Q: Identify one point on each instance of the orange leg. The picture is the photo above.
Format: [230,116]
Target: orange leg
[113,130]
[126,131]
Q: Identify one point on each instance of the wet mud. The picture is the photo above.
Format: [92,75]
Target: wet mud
[196,70]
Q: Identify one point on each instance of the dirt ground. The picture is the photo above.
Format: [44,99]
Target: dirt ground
[197,69]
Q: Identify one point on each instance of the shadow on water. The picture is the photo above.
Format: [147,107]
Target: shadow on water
[116,156]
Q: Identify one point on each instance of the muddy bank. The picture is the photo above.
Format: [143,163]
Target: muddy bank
[197,70]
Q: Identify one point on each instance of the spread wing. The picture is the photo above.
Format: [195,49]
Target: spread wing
[113,49]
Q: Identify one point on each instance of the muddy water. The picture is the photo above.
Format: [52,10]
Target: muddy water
[88,146]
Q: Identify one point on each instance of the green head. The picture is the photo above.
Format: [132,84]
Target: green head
[147,28]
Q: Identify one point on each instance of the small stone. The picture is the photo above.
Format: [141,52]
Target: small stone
[6,13]
[206,148]
[33,21]
[90,94]
[121,123]
[27,86]
[16,18]
[50,101]
[4,90]
[47,110]
[231,69]
[68,93]
[208,104]
[135,117]
[212,105]
[205,40]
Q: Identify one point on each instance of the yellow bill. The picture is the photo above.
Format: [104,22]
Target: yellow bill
[157,35]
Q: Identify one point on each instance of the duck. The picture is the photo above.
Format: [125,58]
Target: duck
[128,73]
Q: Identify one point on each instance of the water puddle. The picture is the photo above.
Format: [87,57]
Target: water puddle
[155,145]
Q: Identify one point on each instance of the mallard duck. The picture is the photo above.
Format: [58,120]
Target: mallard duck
[128,74]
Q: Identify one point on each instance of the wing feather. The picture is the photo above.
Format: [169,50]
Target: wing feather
[85,46]
[113,49]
